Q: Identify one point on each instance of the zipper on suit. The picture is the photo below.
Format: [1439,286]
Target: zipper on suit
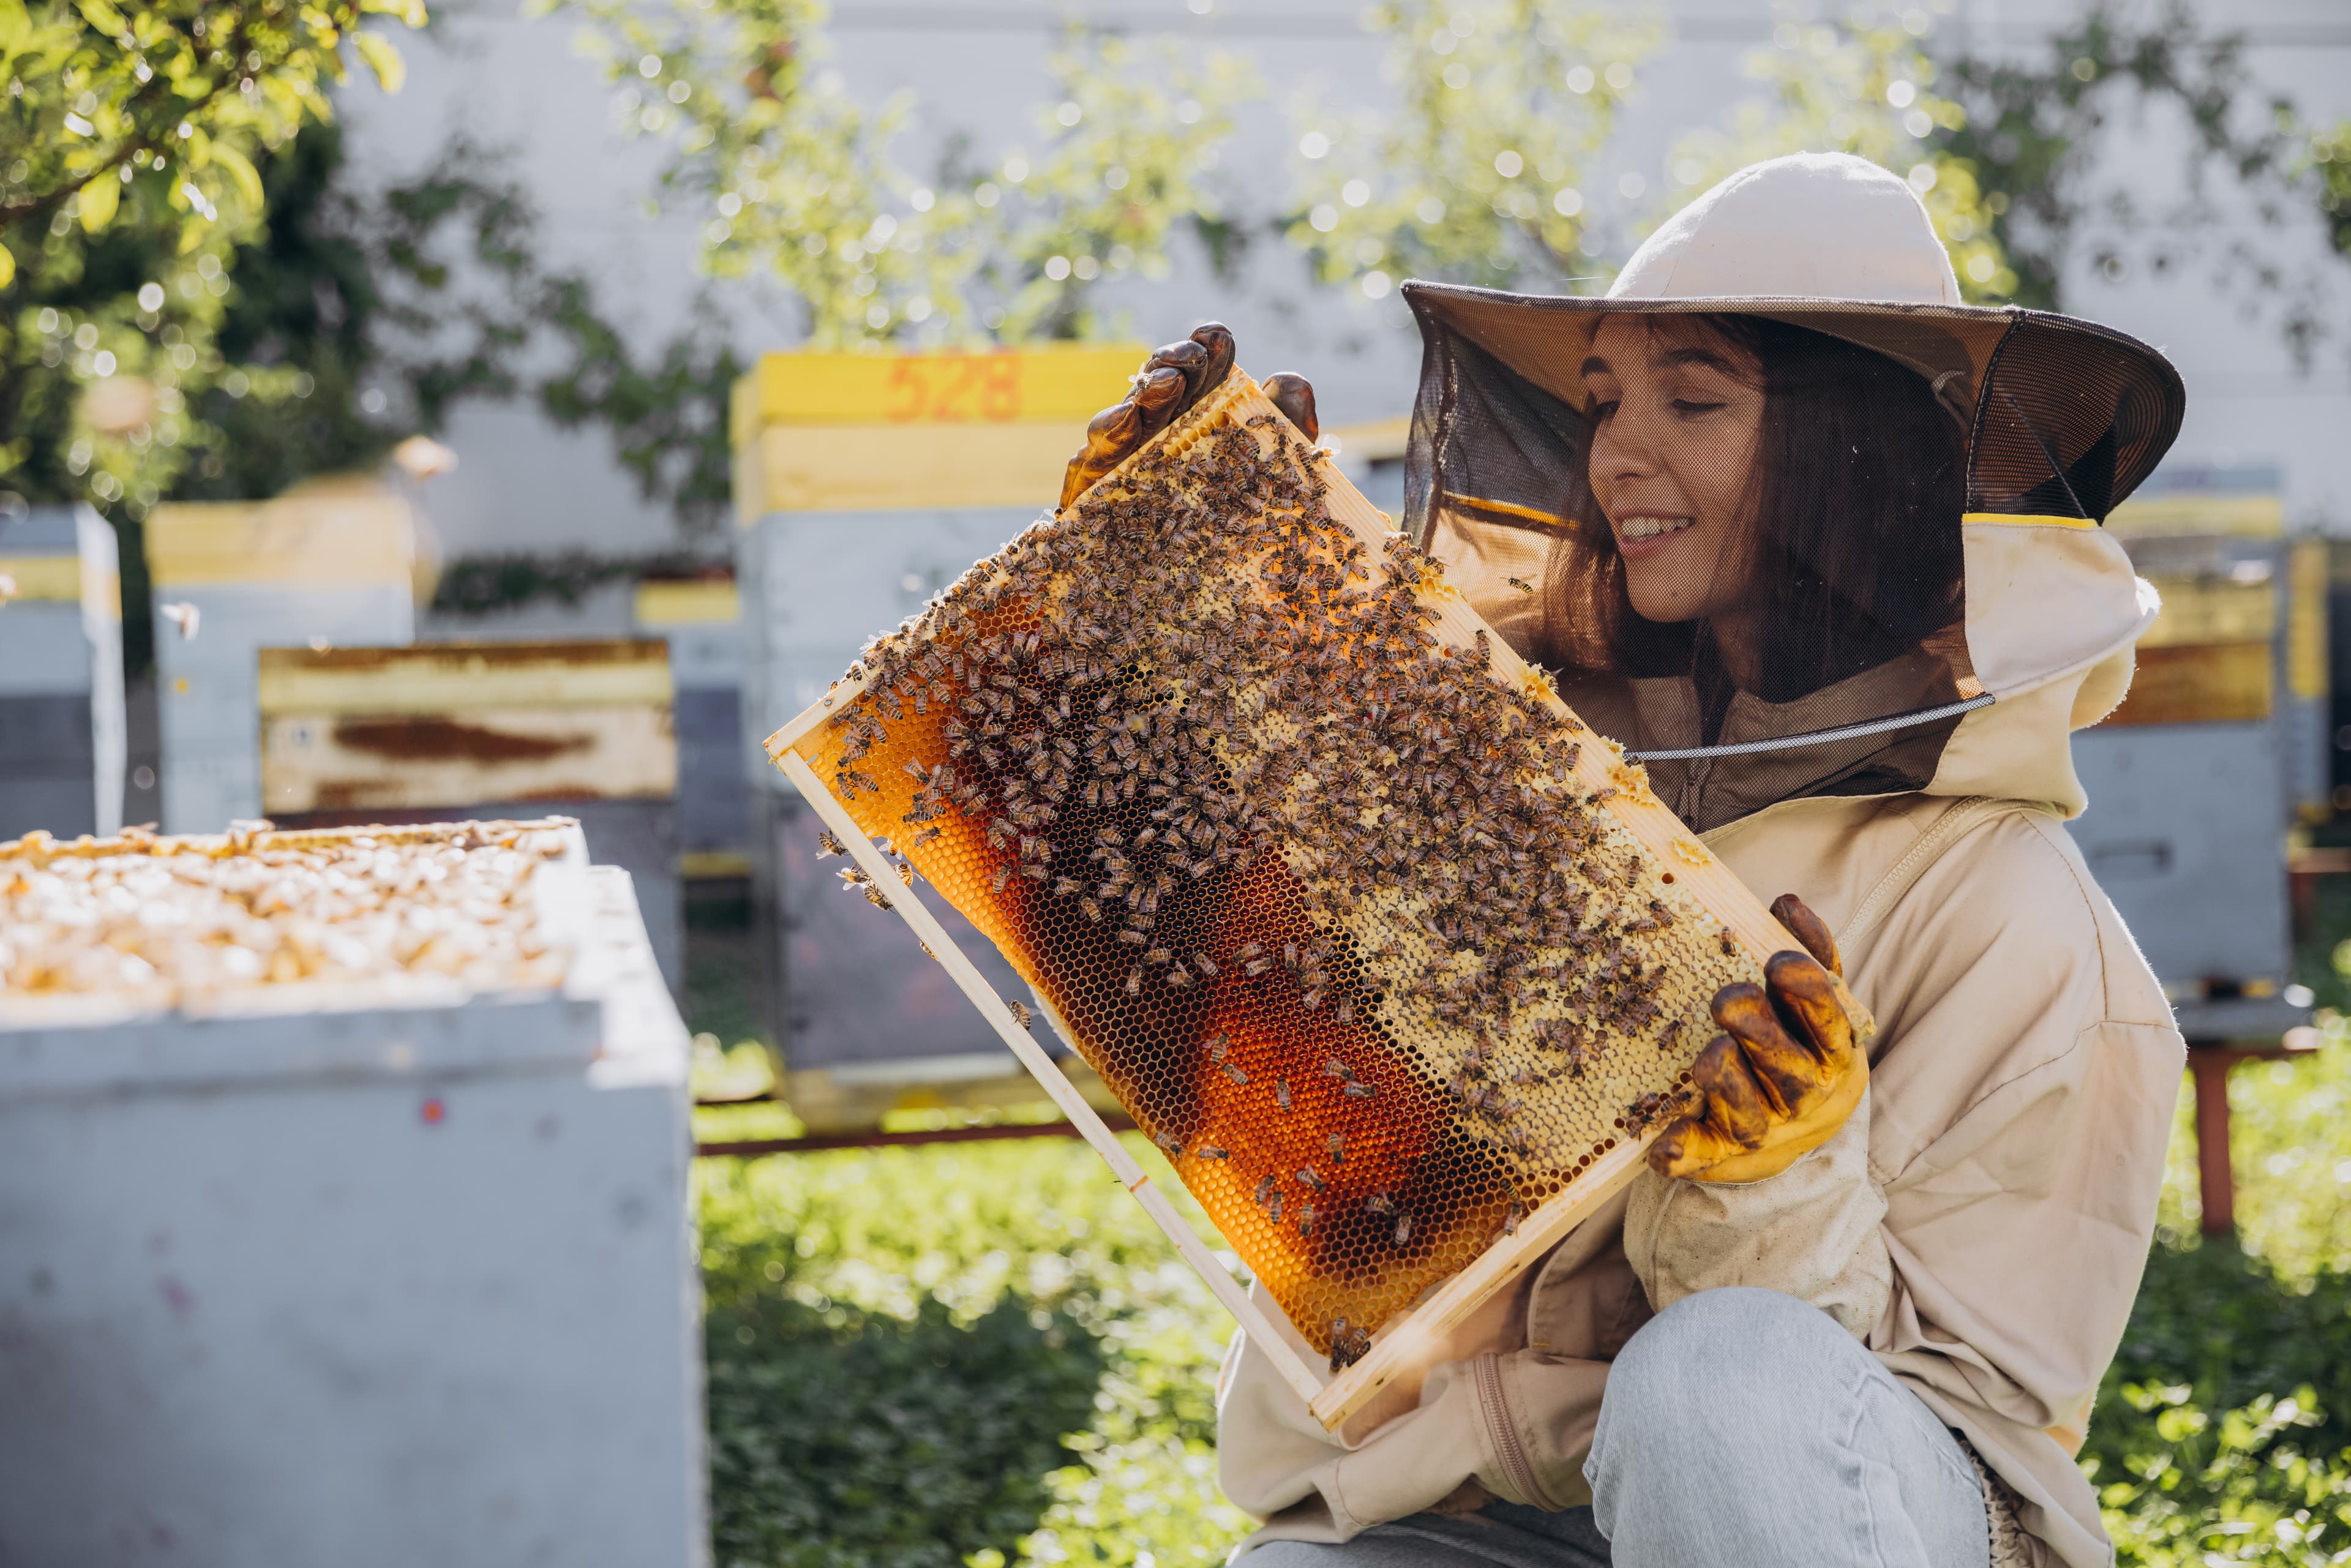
[1502,1429]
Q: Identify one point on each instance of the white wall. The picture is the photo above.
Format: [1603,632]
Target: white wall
[979,68]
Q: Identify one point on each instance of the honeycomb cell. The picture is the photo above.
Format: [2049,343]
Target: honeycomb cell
[1318,891]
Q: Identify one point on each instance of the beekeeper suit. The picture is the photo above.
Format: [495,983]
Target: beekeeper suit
[1862,1320]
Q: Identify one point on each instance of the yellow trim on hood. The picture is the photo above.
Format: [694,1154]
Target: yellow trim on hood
[2020,518]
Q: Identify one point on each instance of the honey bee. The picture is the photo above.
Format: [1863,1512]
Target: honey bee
[1338,1143]
[1281,1094]
[1403,1228]
[1510,1220]
[1378,1203]
[1520,584]
[1306,1174]
[1210,1152]
[1233,1071]
[1305,1220]
[1174,1146]
[827,846]
[1021,1016]
[1356,1089]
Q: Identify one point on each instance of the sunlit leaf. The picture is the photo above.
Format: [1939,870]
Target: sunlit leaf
[99,200]
[382,58]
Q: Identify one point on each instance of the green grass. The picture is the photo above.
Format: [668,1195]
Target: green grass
[984,1355]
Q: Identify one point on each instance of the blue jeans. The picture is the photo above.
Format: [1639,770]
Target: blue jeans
[1741,1429]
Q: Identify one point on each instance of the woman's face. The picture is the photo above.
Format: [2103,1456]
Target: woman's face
[1677,410]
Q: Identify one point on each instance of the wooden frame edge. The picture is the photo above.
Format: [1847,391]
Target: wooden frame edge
[1406,1340]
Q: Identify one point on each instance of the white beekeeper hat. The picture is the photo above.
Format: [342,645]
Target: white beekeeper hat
[2066,416]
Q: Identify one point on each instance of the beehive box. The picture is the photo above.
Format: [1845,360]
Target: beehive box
[1400,963]
[347,1216]
[864,483]
[61,701]
[2220,749]
[450,730]
[699,618]
[333,568]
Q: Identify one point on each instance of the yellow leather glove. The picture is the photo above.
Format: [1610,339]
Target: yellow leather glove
[1173,378]
[1782,1077]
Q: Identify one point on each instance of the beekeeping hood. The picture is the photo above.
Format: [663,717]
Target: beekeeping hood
[1918,583]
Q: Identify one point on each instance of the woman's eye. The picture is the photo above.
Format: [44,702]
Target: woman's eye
[1601,411]
[1693,405]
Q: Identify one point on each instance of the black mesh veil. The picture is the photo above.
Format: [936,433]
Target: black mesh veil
[1733,529]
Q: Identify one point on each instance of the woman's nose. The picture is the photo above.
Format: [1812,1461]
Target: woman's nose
[1623,449]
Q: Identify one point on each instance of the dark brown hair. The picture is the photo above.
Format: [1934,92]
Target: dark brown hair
[1858,484]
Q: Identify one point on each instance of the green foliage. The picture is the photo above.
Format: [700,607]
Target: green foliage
[2036,129]
[1867,87]
[158,112]
[1478,175]
[487,584]
[873,1440]
[135,140]
[800,185]
[1073,1337]
[2223,1430]
[2327,161]
[1127,153]
[666,418]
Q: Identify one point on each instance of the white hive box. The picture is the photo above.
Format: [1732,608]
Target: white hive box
[864,483]
[443,731]
[61,718]
[332,567]
[367,1273]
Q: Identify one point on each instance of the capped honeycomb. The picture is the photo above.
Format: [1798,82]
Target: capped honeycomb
[1337,897]
[162,921]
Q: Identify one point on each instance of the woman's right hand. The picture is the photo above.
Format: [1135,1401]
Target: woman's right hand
[1173,378]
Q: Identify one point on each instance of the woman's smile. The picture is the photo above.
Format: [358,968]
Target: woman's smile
[1642,535]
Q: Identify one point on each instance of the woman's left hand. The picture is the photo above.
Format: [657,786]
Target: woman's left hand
[1782,1076]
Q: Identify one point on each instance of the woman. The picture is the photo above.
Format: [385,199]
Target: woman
[1819,544]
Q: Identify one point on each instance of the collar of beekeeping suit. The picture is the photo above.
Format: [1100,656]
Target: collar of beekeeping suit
[2044,422]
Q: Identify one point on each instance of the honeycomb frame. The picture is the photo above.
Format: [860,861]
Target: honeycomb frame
[1401,964]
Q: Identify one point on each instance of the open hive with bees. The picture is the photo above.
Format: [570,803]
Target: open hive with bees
[163,922]
[1393,957]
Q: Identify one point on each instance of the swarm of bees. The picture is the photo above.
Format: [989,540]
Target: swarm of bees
[1319,892]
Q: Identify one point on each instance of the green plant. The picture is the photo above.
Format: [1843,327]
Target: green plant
[1870,88]
[1087,1309]
[1482,173]
[132,140]
[799,183]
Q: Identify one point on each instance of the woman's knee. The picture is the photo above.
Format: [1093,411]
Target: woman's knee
[1697,1373]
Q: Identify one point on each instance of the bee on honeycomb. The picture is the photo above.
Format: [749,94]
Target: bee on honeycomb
[1345,914]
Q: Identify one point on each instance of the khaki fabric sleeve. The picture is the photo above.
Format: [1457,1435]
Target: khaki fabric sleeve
[1811,1232]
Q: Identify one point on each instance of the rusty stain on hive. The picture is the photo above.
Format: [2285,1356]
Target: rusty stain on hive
[1319,895]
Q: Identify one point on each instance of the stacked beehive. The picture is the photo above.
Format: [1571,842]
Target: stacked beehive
[863,484]
[448,730]
[348,1212]
[326,568]
[61,705]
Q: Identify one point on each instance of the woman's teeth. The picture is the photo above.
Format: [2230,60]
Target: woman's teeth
[1650,528]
